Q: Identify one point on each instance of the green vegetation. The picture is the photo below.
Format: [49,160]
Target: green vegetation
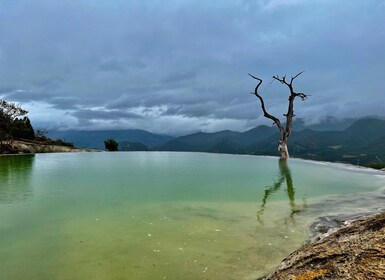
[377,165]
[16,126]
[111,145]
[40,136]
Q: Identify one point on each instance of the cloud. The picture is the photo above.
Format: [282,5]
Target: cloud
[272,5]
[162,64]
[102,114]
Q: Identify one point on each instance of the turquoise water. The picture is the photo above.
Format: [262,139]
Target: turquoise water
[160,215]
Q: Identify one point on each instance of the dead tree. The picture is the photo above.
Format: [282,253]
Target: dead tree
[285,131]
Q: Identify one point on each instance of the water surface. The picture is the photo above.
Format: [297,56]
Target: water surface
[160,215]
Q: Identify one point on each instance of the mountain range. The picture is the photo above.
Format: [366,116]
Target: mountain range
[356,141]
[361,143]
[95,139]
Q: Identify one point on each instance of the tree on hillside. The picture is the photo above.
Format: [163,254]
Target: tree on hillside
[285,131]
[22,129]
[111,145]
[11,124]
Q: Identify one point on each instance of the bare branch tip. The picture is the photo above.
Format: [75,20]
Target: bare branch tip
[297,75]
[254,77]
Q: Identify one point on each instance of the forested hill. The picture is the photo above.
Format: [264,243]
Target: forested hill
[95,139]
[361,143]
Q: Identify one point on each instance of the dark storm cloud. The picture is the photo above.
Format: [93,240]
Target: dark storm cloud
[120,67]
[24,96]
[182,65]
[178,77]
[63,103]
[213,109]
[112,66]
[104,115]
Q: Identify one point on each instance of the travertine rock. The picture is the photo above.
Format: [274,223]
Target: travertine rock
[356,250]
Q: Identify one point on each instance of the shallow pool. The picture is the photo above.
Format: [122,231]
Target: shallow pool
[162,215]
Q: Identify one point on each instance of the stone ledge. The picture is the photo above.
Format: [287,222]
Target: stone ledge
[355,250]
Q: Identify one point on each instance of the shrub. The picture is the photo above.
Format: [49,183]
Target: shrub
[111,145]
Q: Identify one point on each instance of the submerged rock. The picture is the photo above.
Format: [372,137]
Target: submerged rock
[326,225]
[354,204]
[353,250]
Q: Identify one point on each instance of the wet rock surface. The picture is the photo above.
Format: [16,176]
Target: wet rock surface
[351,206]
[326,225]
[349,249]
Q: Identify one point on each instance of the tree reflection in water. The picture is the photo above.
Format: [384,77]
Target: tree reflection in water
[15,175]
[284,176]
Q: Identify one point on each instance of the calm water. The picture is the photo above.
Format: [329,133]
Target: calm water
[164,215]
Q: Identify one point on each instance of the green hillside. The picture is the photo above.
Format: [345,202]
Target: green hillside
[95,139]
[198,142]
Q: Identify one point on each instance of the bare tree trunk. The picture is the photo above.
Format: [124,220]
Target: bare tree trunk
[282,143]
[282,147]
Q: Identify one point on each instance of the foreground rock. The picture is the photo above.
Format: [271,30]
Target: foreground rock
[354,251]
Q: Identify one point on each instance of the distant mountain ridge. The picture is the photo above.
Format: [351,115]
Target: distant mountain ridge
[95,139]
[132,146]
[361,141]
[225,141]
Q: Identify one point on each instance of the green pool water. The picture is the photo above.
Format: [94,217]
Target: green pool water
[160,215]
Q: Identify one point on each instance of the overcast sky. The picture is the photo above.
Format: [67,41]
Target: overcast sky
[178,66]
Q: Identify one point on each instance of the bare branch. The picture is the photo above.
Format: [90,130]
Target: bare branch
[293,78]
[293,94]
[259,82]
[281,80]
[265,113]
[255,77]
[301,95]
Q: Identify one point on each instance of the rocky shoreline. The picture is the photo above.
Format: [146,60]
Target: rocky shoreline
[349,248]
[31,147]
